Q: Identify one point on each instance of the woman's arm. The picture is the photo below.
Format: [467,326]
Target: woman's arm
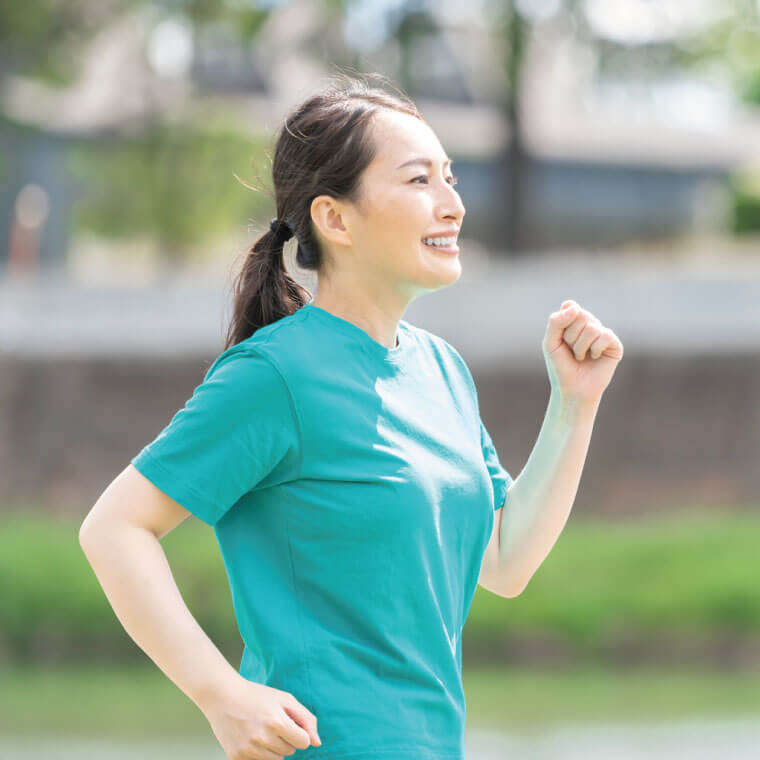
[121,539]
[581,356]
[539,501]
[122,544]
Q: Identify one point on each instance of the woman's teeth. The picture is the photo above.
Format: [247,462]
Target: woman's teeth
[439,241]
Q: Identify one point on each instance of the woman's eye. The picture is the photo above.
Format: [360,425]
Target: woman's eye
[452,180]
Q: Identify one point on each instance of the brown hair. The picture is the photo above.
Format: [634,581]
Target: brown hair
[323,147]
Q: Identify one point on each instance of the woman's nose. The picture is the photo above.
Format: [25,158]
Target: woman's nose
[452,207]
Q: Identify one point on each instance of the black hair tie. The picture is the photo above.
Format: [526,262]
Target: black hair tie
[281,230]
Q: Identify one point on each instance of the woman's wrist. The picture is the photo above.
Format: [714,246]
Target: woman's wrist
[213,688]
[570,408]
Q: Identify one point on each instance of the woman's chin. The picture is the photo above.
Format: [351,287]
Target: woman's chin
[441,273]
[450,266]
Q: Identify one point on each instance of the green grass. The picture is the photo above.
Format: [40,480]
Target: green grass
[679,574]
[680,571]
[141,702]
[107,700]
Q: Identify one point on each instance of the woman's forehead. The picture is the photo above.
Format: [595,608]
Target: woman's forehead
[401,137]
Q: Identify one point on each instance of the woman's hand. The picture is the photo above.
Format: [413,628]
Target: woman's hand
[252,721]
[570,334]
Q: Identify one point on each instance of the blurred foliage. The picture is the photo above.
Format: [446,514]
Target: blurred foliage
[175,185]
[684,573]
[41,38]
[245,18]
[729,46]
[745,188]
[45,39]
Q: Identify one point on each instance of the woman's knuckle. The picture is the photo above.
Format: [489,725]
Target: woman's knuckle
[256,740]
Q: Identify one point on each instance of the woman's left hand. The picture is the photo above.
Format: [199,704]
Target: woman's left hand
[571,334]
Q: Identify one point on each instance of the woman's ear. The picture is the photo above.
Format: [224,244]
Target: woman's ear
[331,220]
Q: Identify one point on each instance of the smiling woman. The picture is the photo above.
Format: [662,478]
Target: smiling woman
[338,452]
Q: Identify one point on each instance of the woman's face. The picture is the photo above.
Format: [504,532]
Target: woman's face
[402,203]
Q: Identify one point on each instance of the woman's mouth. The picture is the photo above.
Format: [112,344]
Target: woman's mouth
[447,245]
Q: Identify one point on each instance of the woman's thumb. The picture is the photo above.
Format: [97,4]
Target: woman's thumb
[305,719]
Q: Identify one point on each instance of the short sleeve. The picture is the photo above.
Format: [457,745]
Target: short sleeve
[501,480]
[239,431]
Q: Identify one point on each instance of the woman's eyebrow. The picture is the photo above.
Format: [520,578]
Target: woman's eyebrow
[424,161]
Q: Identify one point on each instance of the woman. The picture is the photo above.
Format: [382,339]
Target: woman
[339,454]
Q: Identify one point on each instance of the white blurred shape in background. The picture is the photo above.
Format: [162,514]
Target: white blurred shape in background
[170,48]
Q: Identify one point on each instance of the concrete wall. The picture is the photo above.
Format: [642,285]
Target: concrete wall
[670,433]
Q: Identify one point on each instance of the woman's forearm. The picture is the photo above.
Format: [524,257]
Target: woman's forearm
[539,501]
[133,570]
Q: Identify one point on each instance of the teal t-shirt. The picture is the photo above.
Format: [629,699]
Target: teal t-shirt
[352,490]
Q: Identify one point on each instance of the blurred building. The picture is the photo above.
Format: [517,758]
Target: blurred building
[600,169]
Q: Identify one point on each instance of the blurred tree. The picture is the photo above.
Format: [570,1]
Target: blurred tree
[729,47]
[514,28]
[729,44]
[44,38]
[745,188]
[246,18]
[175,185]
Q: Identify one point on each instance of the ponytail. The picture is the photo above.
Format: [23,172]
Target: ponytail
[264,291]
